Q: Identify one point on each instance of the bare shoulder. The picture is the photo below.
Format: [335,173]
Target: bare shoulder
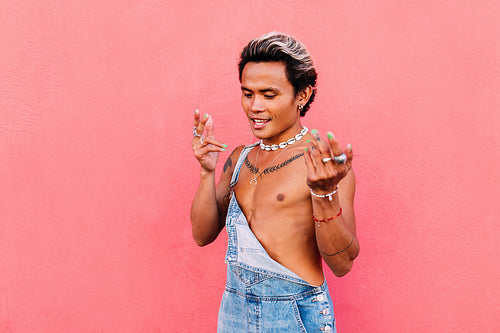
[222,190]
[227,170]
[231,161]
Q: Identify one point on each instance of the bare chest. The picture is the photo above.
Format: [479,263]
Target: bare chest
[279,192]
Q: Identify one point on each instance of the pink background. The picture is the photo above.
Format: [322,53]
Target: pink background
[97,175]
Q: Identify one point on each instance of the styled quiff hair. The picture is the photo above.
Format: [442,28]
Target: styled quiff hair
[279,47]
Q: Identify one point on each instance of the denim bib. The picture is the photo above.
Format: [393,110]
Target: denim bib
[261,295]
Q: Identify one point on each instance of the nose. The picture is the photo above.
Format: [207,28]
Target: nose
[257,105]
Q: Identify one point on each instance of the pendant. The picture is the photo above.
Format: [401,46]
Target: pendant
[253,181]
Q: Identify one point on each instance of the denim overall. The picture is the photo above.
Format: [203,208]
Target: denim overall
[262,295]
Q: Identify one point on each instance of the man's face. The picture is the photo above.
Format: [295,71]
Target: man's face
[269,101]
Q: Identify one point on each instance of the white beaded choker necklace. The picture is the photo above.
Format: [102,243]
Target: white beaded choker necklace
[284,143]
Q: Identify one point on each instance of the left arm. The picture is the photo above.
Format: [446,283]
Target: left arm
[335,221]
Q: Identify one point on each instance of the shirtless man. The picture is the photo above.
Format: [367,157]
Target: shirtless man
[286,201]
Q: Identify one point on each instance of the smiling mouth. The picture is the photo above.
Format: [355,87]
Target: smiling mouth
[259,123]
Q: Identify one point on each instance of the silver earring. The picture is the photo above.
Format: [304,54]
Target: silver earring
[301,107]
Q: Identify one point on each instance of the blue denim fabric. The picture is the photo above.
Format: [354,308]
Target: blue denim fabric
[262,295]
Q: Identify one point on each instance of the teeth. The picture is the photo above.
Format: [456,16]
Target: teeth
[259,121]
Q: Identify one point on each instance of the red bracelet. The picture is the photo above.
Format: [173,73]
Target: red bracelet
[328,219]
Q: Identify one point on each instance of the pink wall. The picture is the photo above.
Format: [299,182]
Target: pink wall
[96,172]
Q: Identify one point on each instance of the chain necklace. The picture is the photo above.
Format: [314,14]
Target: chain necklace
[284,143]
[257,175]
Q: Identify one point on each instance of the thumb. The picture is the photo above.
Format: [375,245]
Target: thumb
[210,126]
[349,154]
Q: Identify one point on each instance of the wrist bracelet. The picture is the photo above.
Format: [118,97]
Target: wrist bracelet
[327,219]
[329,195]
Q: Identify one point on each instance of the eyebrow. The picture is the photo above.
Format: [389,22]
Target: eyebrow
[270,89]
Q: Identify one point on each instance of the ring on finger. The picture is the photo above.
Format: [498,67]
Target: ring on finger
[326,159]
[201,141]
[195,133]
[341,159]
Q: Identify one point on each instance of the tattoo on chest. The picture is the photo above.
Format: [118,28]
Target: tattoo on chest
[253,169]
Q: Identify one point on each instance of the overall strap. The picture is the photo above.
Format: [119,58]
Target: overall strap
[237,168]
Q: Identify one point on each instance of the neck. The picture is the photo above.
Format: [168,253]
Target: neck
[286,142]
[283,136]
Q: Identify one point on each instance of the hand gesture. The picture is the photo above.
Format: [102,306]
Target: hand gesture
[205,146]
[326,163]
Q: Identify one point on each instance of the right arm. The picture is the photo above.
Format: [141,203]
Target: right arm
[210,203]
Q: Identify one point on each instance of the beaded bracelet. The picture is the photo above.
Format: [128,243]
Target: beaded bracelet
[327,219]
[329,195]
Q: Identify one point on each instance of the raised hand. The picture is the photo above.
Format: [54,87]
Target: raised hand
[205,146]
[326,163]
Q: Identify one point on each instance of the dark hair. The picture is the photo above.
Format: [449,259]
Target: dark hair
[279,47]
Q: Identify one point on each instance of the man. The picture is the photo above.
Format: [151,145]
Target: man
[286,201]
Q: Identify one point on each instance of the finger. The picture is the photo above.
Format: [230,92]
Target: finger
[198,124]
[324,168]
[196,133]
[311,169]
[350,155]
[334,145]
[198,137]
[210,140]
[202,146]
[324,150]
[196,117]
[314,154]
[201,125]
[204,151]
[316,137]
[210,126]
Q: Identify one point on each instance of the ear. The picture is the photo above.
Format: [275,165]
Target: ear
[304,95]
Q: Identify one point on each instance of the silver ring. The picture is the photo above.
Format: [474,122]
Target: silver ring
[341,159]
[195,133]
[201,141]
[326,159]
